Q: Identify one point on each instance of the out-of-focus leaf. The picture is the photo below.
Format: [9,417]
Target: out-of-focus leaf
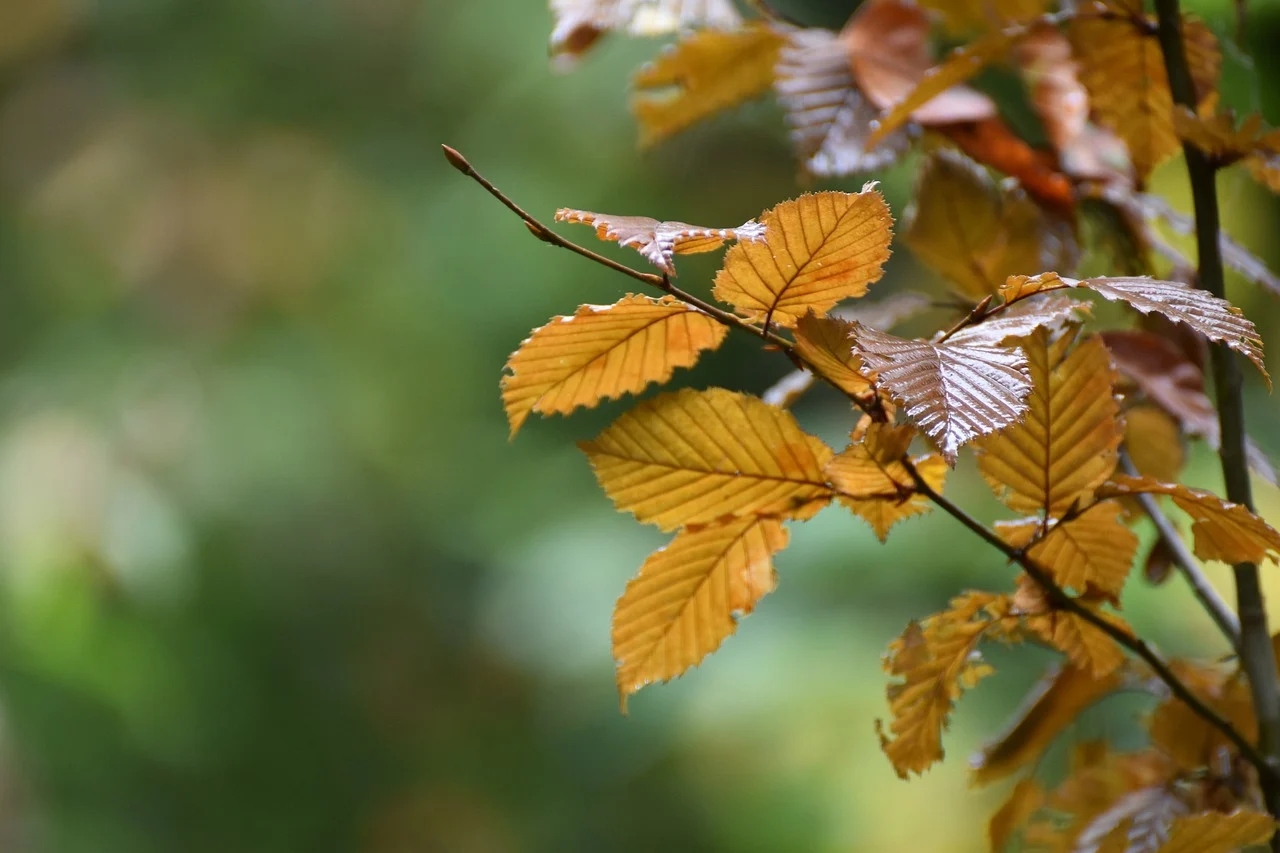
[886,313]
[1215,832]
[1066,445]
[695,457]
[1182,734]
[1223,531]
[817,250]
[1021,803]
[981,15]
[874,484]
[689,596]
[830,117]
[602,352]
[658,241]
[953,393]
[704,73]
[579,24]
[993,143]
[1154,442]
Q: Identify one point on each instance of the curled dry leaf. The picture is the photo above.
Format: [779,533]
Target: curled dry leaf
[953,393]
[688,597]
[817,250]
[1223,531]
[658,241]
[602,352]
[1215,832]
[580,23]
[1066,445]
[696,457]
[830,117]
[1090,553]
[704,73]
[872,482]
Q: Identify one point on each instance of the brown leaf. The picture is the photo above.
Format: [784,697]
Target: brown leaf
[695,457]
[703,74]
[1214,832]
[823,344]
[874,484]
[1165,375]
[580,23]
[954,393]
[689,596]
[658,241]
[602,352]
[830,117]
[817,250]
[993,143]
[1223,531]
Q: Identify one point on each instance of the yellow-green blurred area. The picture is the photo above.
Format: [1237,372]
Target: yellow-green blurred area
[272,577]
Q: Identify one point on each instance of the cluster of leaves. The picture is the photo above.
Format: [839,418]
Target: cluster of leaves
[1021,376]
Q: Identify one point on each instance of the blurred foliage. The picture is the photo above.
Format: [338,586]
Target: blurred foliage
[272,578]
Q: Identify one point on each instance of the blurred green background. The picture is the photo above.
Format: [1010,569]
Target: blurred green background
[272,577]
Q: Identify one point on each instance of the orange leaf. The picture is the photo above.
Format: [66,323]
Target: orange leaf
[993,143]
[689,596]
[1214,832]
[954,393]
[823,344]
[874,484]
[696,457]
[969,15]
[658,241]
[1090,553]
[602,352]
[703,74]
[817,250]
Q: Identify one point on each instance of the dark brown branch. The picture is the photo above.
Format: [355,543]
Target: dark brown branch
[1256,653]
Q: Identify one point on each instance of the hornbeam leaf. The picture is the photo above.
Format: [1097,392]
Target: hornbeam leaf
[710,70]
[817,250]
[658,241]
[874,484]
[1066,445]
[953,392]
[1049,310]
[1223,531]
[829,115]
[602,352]
[688,597]
[1215,832]
[696,457]
[1090,553]
[823,344]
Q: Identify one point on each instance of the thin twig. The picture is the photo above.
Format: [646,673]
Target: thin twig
[1257,655]
[1060,599]
[1185,561]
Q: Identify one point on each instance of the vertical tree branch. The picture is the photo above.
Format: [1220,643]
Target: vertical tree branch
[1256,653]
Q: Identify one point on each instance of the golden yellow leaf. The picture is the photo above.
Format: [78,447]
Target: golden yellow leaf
[689,596]
[580,23]
[1154,442]
[602,352]
[874,484]
[1022,802]
[658,241]
[953,392]
[936,662]
[1217,136]
[817,250]
[696,457]
[1084,644]
[1123,69]
[1050,707]
[1215,832]
[970,15]
[823,343]
[830,117]
[1090,553]
[1223,531]
[1183,735]
[1066,445]
[968,230]
[704,73]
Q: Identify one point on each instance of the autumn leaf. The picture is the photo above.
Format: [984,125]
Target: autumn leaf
[954,393]
[1164,374]
[1223,531]
[602,352]
[1154,442]
[1219,139]
[993,143]
[823,344]
[689,596]
[886,313]
[1182,734]
[1122,67]
[1051,706]
[1090,553]
[969,15]
[1215,832]
[935,661]
[830,117]
[580,23]
[703,74]
[1066,445]
[1021,803]
[969,231]
[817,250]
[1084,644]
[874,484]
[658,241]
[696,457]
[1045,311]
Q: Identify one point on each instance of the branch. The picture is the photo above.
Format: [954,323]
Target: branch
[1256,653]
[1186,562]
[1059,598]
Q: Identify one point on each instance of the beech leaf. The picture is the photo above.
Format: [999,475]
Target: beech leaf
[1215,832]
[688,597]
[658,241]
[952,392]
[874,484]
[602,352]
[580,23]
[696,457]
[817,250]
[823,344]
[1090,553]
